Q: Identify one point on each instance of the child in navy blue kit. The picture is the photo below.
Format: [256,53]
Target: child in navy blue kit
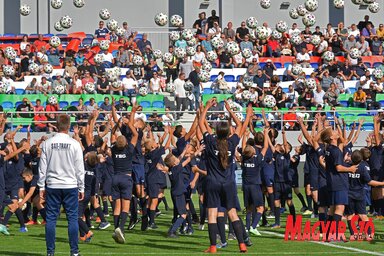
[293,166]
[357,181]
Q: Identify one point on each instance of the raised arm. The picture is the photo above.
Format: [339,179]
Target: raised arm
[131,125]
[266,141]
[204,116]
[265,120]
[357,133]
[376,128]
[91,127]
[247,119]
[114,114]
[192,131]
[238,123]
[306,134]
[285,142]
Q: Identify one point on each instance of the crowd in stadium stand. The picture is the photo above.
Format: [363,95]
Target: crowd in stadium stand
[80,69]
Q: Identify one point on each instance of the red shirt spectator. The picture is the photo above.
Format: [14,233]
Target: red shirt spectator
[291,116]
[274,44]
[40,123]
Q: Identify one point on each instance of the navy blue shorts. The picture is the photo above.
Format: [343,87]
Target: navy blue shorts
[13,194]
[179,204]
[153,190]
[295,180]
[307,179]
[253,196]
[200,187]
[282,191]
[367,192]
[268,180]
[314,180]
[220,194]
[83,204]
[338,197]
[138,174]
[107,187]
[20,183]
[188,194]
[323,196]
[355,207]
[122,186]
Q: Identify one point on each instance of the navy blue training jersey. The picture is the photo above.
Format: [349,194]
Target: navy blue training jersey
[358,180]
[336,181]
[252,169]
[106,169]
[282,167]
[138,157]
[32,183]
[376,159]
[181,143]
[348,149]
[215,171]
[2,181]
[35,165]
[322,172]
[152,158]
[176,176]
[90,174]
[122,159]
[12,172]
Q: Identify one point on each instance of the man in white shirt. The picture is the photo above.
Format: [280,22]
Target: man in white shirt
[303,58]
[180,95]
[363,47]
[318,95]
[61,182]
[354,31]
[129,86]
[323,46]
[8,84]
[186,66]
[140,115]
[107,56]
[294,30]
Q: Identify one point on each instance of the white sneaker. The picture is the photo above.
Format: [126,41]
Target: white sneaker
[201,227]
[226,227]
[119,236]
[254,231]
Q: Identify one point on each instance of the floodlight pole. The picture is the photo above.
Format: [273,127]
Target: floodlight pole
[49,17]
[37,17]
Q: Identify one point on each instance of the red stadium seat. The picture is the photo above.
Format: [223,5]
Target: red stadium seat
[73,45]
[80,35]
[286,59]
[340,59]
[315,59]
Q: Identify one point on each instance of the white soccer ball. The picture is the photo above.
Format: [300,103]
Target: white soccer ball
[296,40]
[66,21]
[247,81]
[354,53]
[143,91]
[25,9]
[239,116]
[246,95]
[374,7]
[207,66]
[167,57]
[378,73]
[58,26]
[161,19]
[90,87]
[112,24]
[309,19]
[120,31]
[252,34]
[187,34]
[117,84]
[269,101]
[179,52]
[174,36]
[282,26]
[247,53]
[104,14]
[369,1]
[98,59]
[157,54]
[262,33]
[54,41]
[211,56]
[276,35]
[48,68]
[301,10]
[311,83]
[104,45]
[24,205]
[232,48]
[328,56]
[176,20]
[357,2]
[111,75]
[265,4]
[8,70]
[338,4]
[170,87]
[296,69]
[188,86]
[3,87]
[293,13]
[52,100]
[59,89]
[315,40]
[192,42]
[191,50]
[33,68]
[311,5]
[78,3]
[43,58]
[137,60]
[252,22]
[217,42]
[10,53]
[204,76]
[56,4]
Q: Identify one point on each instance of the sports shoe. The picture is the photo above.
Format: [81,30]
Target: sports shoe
[211,249]
[231,236]
[314,216]
[254,231]
[248,242]
[222,245]
[4,230]
[75,254]
[243,248]
[31,222]
[23,230]
[119,236]
[106,215]
[307,212]
[50,254]
[104,225]
[271,216]
[114,236]
[152,226]
[275,226]
[87,238]
[158,213]
[190,231]
[303,209]
[201,227]
[172,235]
[98,220]
[132,224]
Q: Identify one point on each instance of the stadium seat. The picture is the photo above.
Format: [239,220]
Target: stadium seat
[352,90]
[238,77]
[33,35]
[229,78]
[48,35]
[278,65]
[75,103]
[7,105]
[139,37]
[9,35]
[62,35]
[158,104]
[368,64]
[107,64]
[314,65]
[286,65]
[114,53]
[89,35]
[87,41]
[19,91]
[207,91]
[262,64]
[368,126]
[377,64]
[18,103]
[63,104]
[21,35]
[145,104]
[213,78]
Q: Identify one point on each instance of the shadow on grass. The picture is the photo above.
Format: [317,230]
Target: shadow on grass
[7,253]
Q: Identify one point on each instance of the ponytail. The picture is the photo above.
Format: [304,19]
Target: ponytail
[222,146]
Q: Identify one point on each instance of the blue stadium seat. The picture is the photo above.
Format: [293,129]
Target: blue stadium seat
[278,65]
[352,90]
[229,78]
[286,65]
[9,35]
[285,90]
[145,104]
[33,35]
[314,65]
[7,104]
[158,104]
[344,103]
[114,53]
[262,64]
[75,103]
[62,35]
[363,114]
[238,77]
[87,41]
[368,126]
[48,35]
[24,129]
[122,77]
[89,35]
[21,35]
[107,64]
[207,91]
[139,37]
[368,64]
[213,78]
[86,103]
[214,65]
[63,104]
[19,91]
[377,64]
[18,103]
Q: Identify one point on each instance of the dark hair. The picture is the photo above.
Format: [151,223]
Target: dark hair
[33,151]
[366,153]
[356,157]
[98,141]
[259,138]
[178,130]
[92,159]
[251,141]
[63,122]
[27,171]
[222,132]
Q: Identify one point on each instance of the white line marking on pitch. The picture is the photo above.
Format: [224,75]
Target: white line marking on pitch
[330,245]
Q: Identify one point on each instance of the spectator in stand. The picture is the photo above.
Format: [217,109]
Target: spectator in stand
[346,70]
[92,105]
[199,24]
[79,58]
[206,45]
[322,47]
[255,56]
[142,43]
[229,32]
[260,78]
[108,57]
[354,31]
[286,47]
[317,31]
[140,115]
[307,33]
[39,122]
[225,59]
[339,82]
[273,48]
[342,32]
[368,32]
[180,95]
[290,120]
[297,48]
[318,95]
[150,68]
[197,86]
[167,117]
[113,38]
[241,32]
[106,106]
[220,86]
[360,98]
[294,30]
[70,70]
[122,58]
[24,42]
[199,56]
[147,55]
[31,87]
[291,97]
[3,60]
[215,30]
[122,105]
[138,72]
[76,85]
[279,96]
[171,67]
[8,84]
[328,32]
[307,99]
[51,117]
[128,31]
[54,57]
[87,78]
[185,66]
[337,45]
[181,43]
[363,24]
[59,81]
[331,96]
[359,69]
[288,75]
[26,57]
[325,79]
[268,69]
[154,84]
[103,85]
[238,60]
[365,80]
[303,58]
[130,44]
[380,32]
[376,46]
[25,106]
[212,19]
[44,86]
[349,44]
[246,44]
[101,32]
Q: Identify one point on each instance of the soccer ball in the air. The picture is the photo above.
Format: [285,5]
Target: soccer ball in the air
[247,53]
[8,70]
[176,20]
[187,34]
[112,24]
[207,66]
[354,53]
[192,42]
[179,52]
[377,73]
[48,68]
[98,58]
[293,13]
[167,57]
[191,51]
[281,26]
[66,21]
[252,34]
[338,4]
[368,1]
[357,2]
[58,26]
[110,75]
[89,87]
[247,81]
[217,42]
[174,36]
[104,45]
[301,10]
[311,5]
[56,4]
[54,41]
[143,91]
[296,40]
[204,76]
[315,40]
[265,3]
[188,86]
[120,31]
[78,3]
[276,35]
[117,84]
[52,100]
[3,87]
[10,53]
[211,56]
[137,60]
[104,14]
[170,87]
[239,116]
[309,19]
[157,54]
[262,33]
[161,19]
[246,95]
[310,83]
[59,89]
[33,68]
[25,10]
[296,69]
[328,56]
[269,101]
[252,22]
[232,48]
[374,7]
